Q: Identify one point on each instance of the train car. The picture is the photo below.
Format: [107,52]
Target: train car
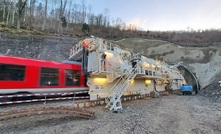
[21,75]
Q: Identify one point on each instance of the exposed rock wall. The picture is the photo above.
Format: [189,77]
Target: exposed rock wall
[36,47]
[204,62]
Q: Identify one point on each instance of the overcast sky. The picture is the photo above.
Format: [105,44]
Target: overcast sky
[163,14]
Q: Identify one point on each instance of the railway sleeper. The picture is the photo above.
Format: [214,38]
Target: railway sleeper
[76,112]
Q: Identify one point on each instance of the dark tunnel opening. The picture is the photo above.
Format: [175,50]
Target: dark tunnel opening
[190,78]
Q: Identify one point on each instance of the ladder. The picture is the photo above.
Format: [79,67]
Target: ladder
[116,92]
[76,52]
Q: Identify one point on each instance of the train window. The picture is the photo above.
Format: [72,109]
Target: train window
[12,72]
[72,78]
[49,77]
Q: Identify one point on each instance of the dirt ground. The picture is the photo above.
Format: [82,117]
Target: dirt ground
[173,114]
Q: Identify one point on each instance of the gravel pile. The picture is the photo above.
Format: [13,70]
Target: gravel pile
[212,91]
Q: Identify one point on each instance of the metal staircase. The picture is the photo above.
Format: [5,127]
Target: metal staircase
[76,52]
[117,91]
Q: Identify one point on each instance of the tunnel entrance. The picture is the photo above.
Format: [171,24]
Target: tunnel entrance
[189,77]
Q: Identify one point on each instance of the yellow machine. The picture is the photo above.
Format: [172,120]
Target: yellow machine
[113,72]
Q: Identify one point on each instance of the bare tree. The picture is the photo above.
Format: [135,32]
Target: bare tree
[21,8]
[74,12]
[118,23]
[54,15]
[31,13]
[13,10]
[45,14]
[99,20]
[83,11]
[4,10]
[58,14]
[89,13]
[63,4]
[106,17]
[8,12]
[69,13]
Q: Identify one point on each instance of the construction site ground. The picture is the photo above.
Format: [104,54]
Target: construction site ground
[178,114]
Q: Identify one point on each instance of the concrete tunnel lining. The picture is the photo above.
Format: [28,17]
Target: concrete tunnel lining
[190,78]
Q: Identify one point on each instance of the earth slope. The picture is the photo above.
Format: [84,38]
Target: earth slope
[204,61]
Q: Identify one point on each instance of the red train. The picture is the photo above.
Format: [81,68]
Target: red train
[21,75]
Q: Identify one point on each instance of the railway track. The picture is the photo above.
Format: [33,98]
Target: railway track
[77,97]
[74,110]
[62,110]
[42,97]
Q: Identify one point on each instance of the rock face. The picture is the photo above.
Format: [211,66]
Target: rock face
[213,90]
[36,47]
[204,62]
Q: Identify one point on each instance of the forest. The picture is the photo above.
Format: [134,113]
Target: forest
[71,17]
